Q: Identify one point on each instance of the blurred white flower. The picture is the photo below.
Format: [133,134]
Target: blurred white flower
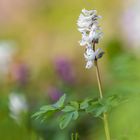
[91,33]
[88,26]
[17,106]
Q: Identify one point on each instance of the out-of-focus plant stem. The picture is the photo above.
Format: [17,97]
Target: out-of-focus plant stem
[77,136]
[105,118]
[74,136]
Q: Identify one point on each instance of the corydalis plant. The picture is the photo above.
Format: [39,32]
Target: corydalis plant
[91,33]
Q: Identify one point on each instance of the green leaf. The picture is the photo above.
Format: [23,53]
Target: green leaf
[85,103]
[46,115]
[43,114]
[65,120]
[75,115]
[100,110]
[38,114]
[48,108]
[68,108]
[43,111]
[92,107]
[114,100]
[60,102]
[75,104]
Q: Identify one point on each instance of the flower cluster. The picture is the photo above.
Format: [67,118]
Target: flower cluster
[91,33]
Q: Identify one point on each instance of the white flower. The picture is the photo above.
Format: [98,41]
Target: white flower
[91,33]
[17,106]
[88,26]
[90,56]
[89,64]
[94,34]
[84,40]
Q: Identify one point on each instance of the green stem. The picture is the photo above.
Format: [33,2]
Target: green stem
[105,118]
[76,137]
[72,136]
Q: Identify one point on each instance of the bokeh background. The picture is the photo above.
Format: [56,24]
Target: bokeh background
[40,59]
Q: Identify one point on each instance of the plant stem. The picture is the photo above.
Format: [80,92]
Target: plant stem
[72,136]
[105,119]
[76,137]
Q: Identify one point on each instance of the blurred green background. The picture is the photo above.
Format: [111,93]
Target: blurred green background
[40,59]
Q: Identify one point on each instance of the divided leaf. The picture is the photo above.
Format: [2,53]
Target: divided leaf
[71,110]
[47,109]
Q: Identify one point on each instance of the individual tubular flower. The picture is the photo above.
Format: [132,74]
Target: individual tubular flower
[91,55]
[91,33]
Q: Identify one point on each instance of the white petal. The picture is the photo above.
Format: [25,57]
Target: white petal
[82,43]
[99,53]
[89,54]
[88,12]
[89,46]
[86,18]
[83,29]
[92,35]
[89,64]
[84,24]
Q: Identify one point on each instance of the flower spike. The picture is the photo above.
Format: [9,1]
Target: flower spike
[91,33]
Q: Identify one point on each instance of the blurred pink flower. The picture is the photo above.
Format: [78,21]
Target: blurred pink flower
[64,69]
[130,24]
[54,93]
[20,73]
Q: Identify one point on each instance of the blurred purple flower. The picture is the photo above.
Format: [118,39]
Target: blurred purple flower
[20,73]
[64,69]
[54,93]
